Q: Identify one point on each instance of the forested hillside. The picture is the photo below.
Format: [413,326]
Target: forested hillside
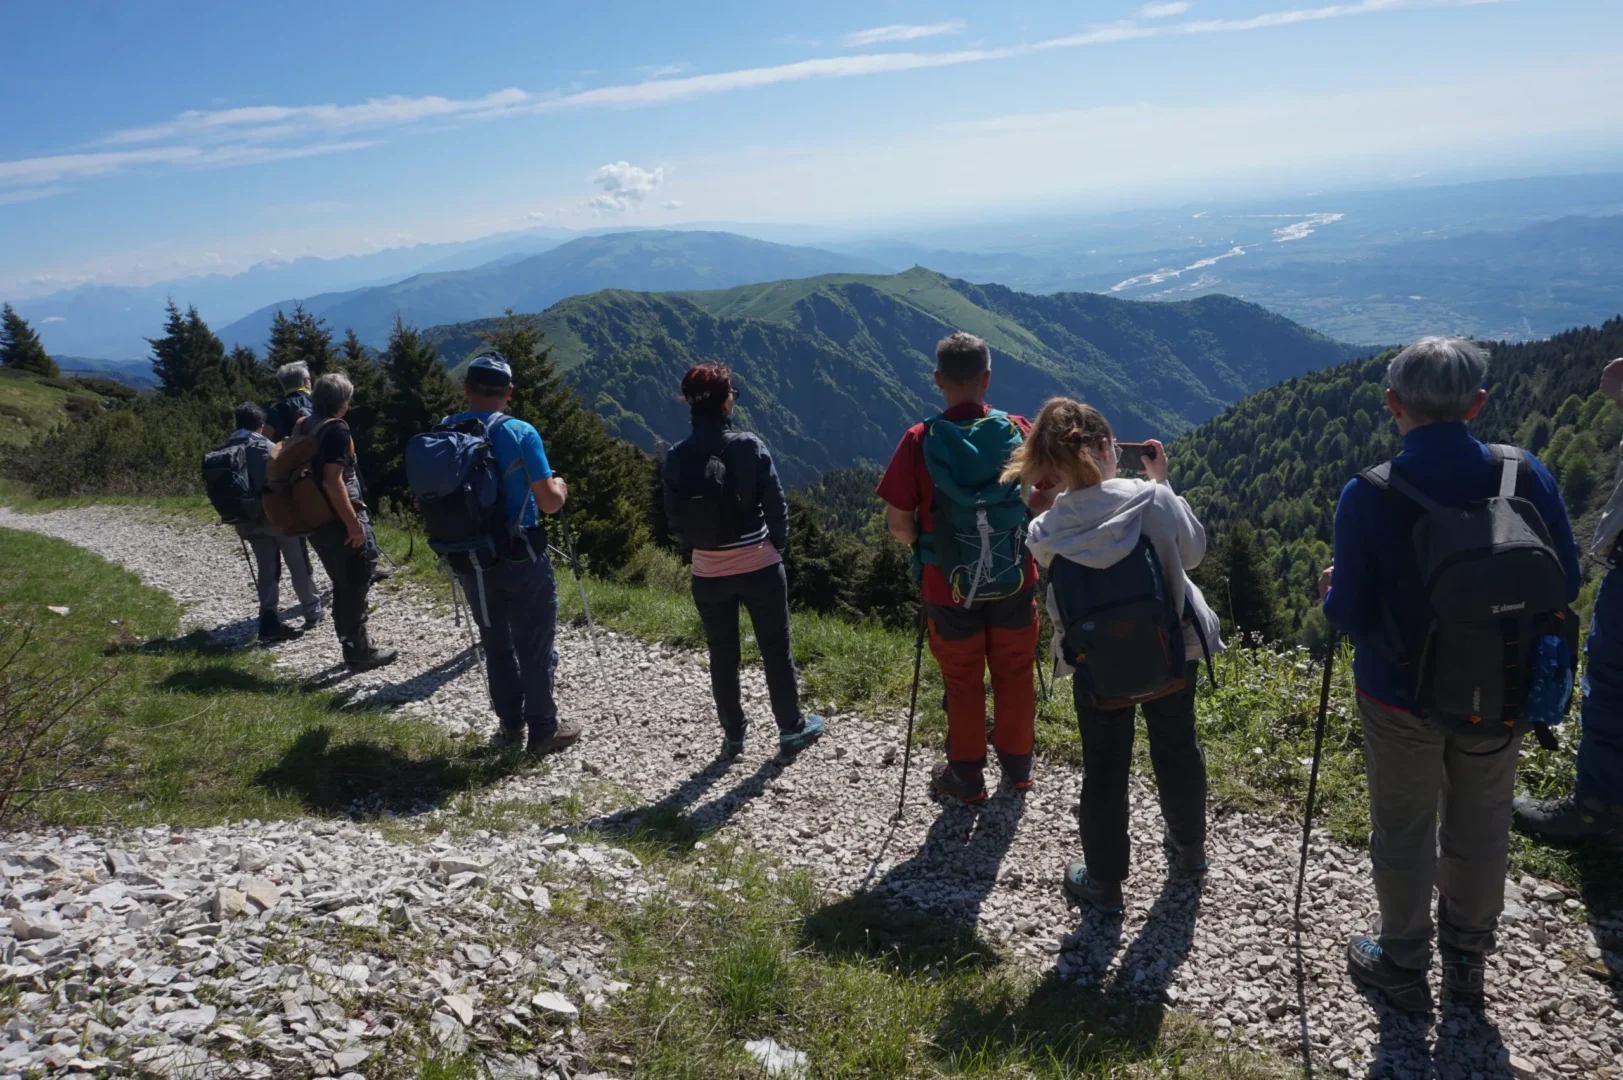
[834,368]
[1277,461]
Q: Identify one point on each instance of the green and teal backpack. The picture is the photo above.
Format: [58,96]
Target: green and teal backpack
[979,522]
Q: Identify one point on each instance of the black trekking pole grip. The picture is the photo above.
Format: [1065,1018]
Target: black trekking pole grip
[912,709]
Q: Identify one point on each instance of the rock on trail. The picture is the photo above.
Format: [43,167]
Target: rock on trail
[1223,950]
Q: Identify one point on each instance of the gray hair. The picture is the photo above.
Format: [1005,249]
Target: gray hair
[294,375]
[1437,378]
[331,393]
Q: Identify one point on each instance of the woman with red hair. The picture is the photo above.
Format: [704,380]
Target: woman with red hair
[726,506]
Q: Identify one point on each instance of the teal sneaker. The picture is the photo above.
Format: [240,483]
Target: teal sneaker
[731,748]
[1103,896]
[1370,967]
[792,742]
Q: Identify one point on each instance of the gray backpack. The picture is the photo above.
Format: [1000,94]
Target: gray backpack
[1490,587]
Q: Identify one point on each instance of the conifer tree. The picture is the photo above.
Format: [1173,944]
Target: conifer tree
[420,395]
[189,360]
[20,347]
[243,368]
[1250,592]
[366,412]
[608,478]
[303,337]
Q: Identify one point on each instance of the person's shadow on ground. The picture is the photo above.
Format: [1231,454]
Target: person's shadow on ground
[679,820]
[1467,1045]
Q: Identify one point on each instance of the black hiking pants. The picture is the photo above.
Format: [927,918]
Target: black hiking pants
[1107,759]
[350,570]
[764,594]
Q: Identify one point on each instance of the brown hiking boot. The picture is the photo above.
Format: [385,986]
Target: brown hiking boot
[565,735]
[959,781]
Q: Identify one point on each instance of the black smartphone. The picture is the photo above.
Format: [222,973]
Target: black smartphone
[1133,455]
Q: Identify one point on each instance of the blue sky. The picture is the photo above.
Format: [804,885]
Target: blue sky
[148,141]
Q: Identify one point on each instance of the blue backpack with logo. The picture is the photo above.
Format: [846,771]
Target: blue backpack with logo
[452,470]
[978,522]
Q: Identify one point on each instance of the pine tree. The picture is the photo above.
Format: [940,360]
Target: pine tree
[1250,591]
[420,395]
[303,337]
[20,346]
[189,360]
[244,369]
[367,412]
[608,478]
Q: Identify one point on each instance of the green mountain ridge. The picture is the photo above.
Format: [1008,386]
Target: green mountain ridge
[833,368]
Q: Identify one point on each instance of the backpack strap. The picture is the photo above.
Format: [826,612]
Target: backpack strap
[1385,477]
[1511,462]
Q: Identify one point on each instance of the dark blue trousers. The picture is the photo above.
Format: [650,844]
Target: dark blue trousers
[1600,748]
[518,627]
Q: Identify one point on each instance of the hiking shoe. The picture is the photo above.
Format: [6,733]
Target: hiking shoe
[311,622]
[1184,860]
[1016,770]
[273,629]
[962,782]
[508,738]
[565,735]
[1463,974]
[1404,988]
[792,742]
[376,658]
[731,747]
[1569,819]
[1103,896]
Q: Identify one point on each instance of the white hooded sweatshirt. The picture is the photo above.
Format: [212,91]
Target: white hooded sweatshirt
[1098,526]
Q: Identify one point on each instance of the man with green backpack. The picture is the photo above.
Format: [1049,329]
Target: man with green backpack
[977,581]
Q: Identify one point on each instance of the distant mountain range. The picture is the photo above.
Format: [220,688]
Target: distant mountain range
[645,260]
[833,368]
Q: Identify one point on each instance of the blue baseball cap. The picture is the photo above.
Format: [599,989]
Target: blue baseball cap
[489,369]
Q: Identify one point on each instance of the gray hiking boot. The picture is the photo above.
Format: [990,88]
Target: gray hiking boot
[1103,896]
[1185,861]
[1570,819]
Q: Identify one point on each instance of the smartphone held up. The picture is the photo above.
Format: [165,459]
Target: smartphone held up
[1134,455]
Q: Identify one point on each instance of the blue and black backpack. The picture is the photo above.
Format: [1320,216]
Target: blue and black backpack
[978,534]
[452,470]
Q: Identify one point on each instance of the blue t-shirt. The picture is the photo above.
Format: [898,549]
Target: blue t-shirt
[522,459]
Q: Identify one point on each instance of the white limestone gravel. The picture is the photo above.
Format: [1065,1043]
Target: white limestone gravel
[1223,950]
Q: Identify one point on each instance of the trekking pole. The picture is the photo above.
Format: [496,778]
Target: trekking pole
[574,565]
[912,711]
[1313,774]
[253,577]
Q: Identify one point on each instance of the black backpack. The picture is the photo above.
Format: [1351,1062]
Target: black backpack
[228,480]
[709,513]
[1120,629]
[1490,586]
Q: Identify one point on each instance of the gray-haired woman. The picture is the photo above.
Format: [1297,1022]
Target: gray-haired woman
[346,545]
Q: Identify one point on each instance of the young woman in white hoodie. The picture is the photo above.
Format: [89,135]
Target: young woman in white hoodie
[1096,521]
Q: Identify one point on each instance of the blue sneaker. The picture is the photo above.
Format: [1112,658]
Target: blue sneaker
[792,742]
[1104,896]
[1370,967]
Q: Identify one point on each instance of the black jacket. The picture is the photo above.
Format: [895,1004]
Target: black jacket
[751,477]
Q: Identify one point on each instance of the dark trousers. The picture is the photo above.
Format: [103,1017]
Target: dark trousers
[518,622]
[1107,758]
[765,595]
[1600,747]
[350,570]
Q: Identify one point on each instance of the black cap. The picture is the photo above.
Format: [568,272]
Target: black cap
[489,369]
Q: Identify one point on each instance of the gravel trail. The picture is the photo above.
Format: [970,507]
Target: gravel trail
[1223,950]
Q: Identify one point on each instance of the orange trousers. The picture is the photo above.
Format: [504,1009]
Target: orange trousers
[1000,636]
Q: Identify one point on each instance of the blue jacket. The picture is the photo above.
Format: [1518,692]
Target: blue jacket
[1373,547]
[753,479]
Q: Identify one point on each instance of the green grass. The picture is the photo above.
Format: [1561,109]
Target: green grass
[197,734]
[31,405]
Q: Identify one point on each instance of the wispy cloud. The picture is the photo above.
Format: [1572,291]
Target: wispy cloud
[264,133]
[663,71]
[1167,10]
[879,35]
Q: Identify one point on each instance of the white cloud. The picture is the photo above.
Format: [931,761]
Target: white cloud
[535,215]
[672,204]
[52,318]
[664,71]
[1165,10]
[625,187]
[879,35]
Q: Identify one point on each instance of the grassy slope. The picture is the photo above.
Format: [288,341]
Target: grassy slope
[29,405]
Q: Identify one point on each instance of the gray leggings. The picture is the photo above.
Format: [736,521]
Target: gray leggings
[269,554]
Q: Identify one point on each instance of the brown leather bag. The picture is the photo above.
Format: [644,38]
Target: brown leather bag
[294,500]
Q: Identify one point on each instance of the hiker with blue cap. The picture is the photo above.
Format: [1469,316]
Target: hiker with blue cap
[482,481]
